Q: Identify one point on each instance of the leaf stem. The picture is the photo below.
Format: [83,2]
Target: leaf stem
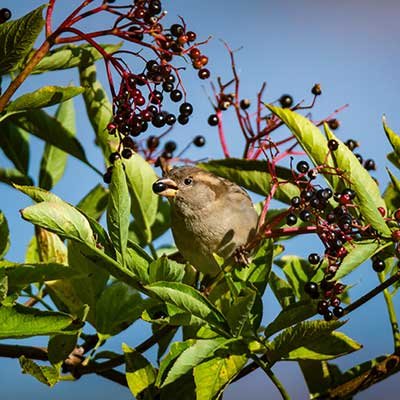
[272,376]
[392,315]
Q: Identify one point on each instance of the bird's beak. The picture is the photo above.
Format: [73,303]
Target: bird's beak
[165,187]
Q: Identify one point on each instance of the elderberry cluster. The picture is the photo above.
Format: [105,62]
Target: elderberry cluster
[139,103]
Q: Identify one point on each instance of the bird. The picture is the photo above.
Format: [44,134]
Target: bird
[209,214]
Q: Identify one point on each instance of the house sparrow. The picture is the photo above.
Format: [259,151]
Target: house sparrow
[209,214]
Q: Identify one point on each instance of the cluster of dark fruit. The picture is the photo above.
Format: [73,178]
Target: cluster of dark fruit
[5,15]
[138,105]
[368,164]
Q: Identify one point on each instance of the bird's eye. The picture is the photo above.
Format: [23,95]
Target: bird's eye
[188,181]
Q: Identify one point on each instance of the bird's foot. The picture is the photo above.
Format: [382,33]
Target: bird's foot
[241,256]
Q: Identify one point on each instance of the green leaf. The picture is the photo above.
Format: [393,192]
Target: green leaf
[20,275]
[44,97]
[240,311]
[12,176]
[14,141]
[291,315]
[3,286]
[282,290]
[4,236]
[194,355]
[334,345]
[17,38]
[52,131]
[21,322]
[254,176]
[315,145]
[118,211]
[54,160]
[60,347]
[189,300]
[98,108]
[117,308]
[176,349]
[166,270]
[60,218]
[95,202]
[140,374]
[138,261]
[393,138]
[38,194]
[141,176]
[394,159]
[70,56]
[47,375]
[302,335]
[212,376]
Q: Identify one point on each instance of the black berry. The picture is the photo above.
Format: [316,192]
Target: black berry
[244,104]
[199,141]
[213,120]
[311,288]
[378,265]
[316,89]
[176,30]
[152,142]
[295,201]
[328,315]
[204,73]
[183,119]
[333,124]
[114,157]
[369,165]
[314,258]
[302,167]
[158,120]
[333,145]
[338,312]
[305,215]
[286,101]
[176,95]
[186,109]
[170,119]
[170,146]
[5,15]
[127,153]
[351,144]
[291,219]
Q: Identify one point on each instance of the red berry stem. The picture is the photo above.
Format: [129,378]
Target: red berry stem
[221,134]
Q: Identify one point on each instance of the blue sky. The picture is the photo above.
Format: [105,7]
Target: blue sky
[350,47]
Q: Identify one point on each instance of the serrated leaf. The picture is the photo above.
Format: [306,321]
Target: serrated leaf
[49,129]
[289,316]
[44,97]
[21,322]
[117,308]
[315,145]
[212,376]
[12,176]
[60,218]
[118,211]
[4,236]
[98,108]
[14,141]
[17,38]
[189,300]
[95,202]
[254,176]
[301,335]
[70,56]
[166,270]
[141,176]
[240,312]
[54,160]
[140,374]
[47,375]
[194,355]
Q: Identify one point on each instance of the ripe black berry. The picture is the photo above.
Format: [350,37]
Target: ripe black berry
[311,288]
[186,109]
[338,312]
[154,7]
[155,97]
[306,195]
[291,219]
[129,142]
[333,124]
[316,89]
[114,157]
[350,192]
[158,120]
[244,104]
[5,15]
[295,201]
[322,307]
[286,101]
[170,146]
[183,119]
[378,265]
[170,119]
[333,144]
[328,315]
[107,177]
[305,215]
[351,144]
[314,258]
[213,120]
[152,66]
[302,167]
[167,87]
[199,141]
[176,95]
[191,36]
[369,165]
[127,153]
[324,194]
[359,158]
[204,73]
[176,30]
